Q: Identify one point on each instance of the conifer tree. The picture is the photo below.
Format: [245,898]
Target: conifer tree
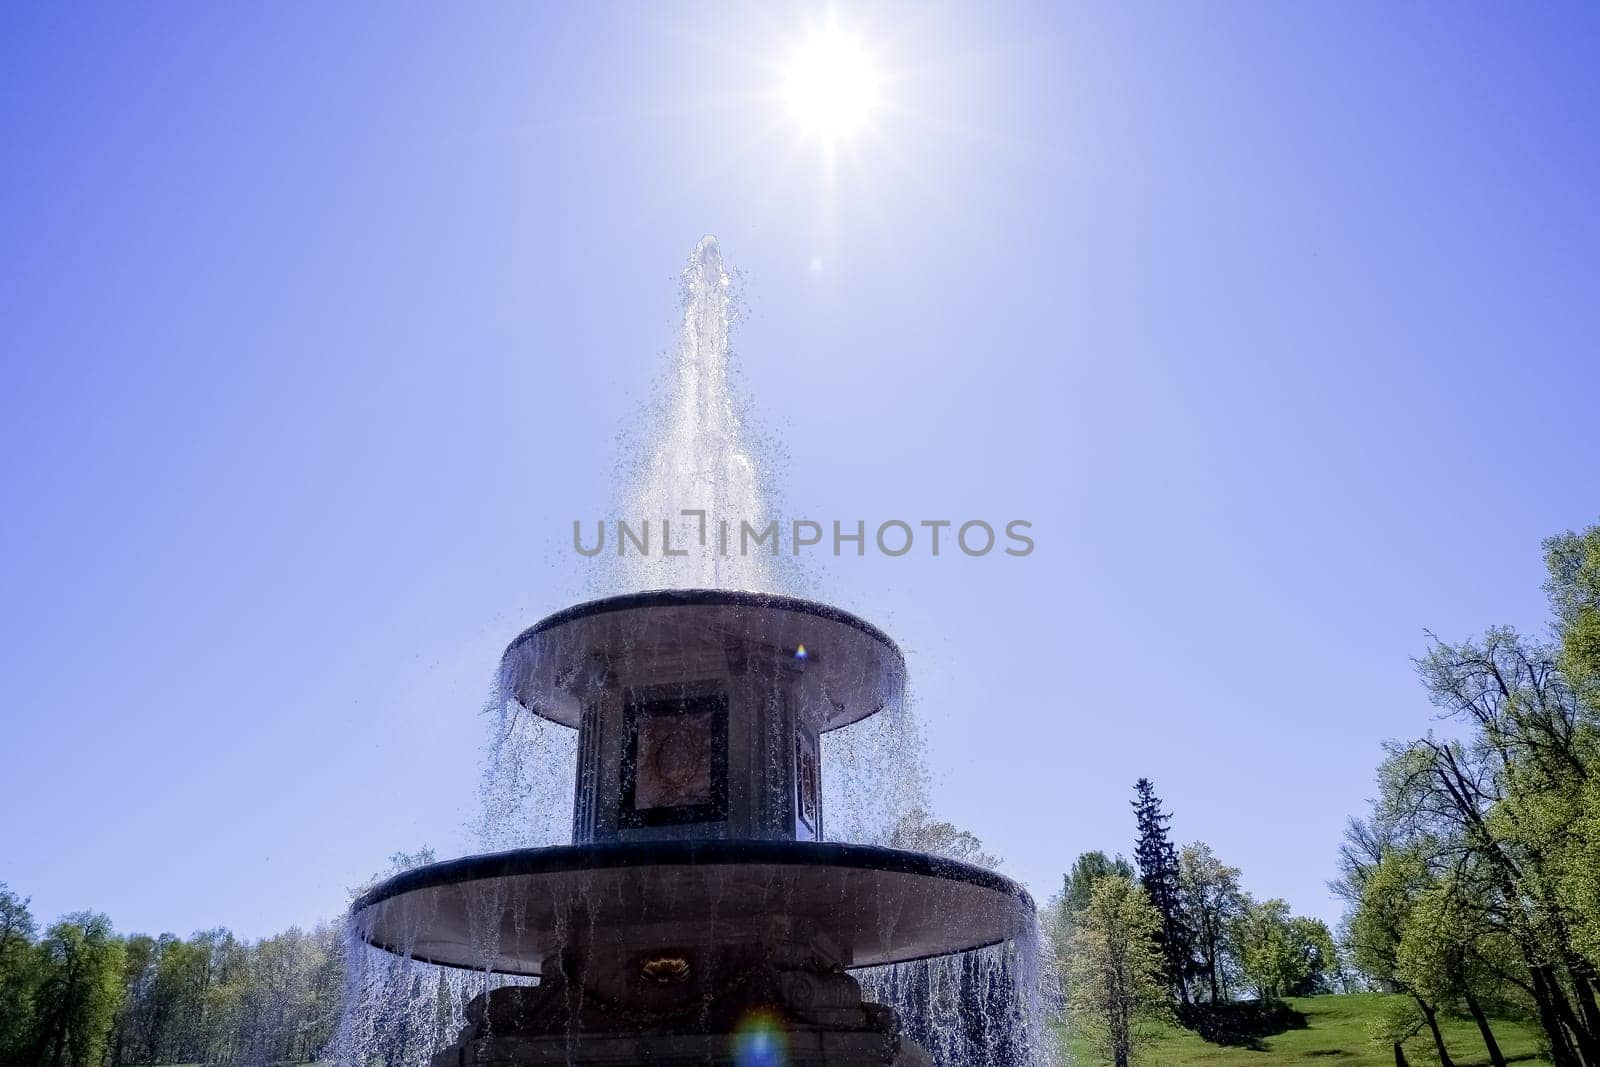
[1157,860]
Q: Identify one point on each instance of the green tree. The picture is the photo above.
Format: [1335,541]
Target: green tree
[1508,801]
[1572,562]
[18,977]
[1573,586]
[80,990]
[1281,954]
[1158,874]
[225,1020]
[1441,955]
[1397,1022]
[919,831]
[1319,953]
[1213,902]
[201,1035]
[1115,981]
[1373,932]
[163,998]
[1077,886]
[130,1042]
[283,1015]
[1578,873]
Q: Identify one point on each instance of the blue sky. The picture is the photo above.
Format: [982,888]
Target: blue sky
[1277,321]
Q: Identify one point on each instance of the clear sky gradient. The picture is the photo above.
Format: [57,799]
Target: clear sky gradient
[319,323]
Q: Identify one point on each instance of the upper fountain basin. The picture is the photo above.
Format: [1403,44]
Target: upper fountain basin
[847,668]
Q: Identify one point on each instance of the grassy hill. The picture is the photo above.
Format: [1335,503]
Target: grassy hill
[1335,1035]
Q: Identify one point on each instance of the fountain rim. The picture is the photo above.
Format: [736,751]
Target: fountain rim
[698,852]
[688,852]
[739,598]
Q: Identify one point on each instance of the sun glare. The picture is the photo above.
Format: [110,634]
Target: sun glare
[831,85]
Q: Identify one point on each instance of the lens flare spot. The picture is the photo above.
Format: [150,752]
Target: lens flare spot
[760,1040]
[800,653]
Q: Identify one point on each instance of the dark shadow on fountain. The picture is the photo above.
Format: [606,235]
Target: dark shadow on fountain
[699,917]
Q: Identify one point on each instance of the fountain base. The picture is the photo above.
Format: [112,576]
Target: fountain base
[802,1048]
[733,1007]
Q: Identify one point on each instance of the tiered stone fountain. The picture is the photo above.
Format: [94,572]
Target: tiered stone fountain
[699,917]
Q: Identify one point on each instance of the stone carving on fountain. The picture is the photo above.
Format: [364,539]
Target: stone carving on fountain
[698,897]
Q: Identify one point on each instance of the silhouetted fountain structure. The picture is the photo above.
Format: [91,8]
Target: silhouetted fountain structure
[697,909]
[698,916]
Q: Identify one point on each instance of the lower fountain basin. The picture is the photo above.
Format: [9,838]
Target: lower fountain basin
[859,905]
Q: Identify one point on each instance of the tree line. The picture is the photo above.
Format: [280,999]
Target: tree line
[1173,938]
[77,994]
[1473,883]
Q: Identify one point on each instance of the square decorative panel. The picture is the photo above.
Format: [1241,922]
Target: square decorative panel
[675,761]
[808,785]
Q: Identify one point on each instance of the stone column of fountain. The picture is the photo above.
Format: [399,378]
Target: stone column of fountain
[698,917]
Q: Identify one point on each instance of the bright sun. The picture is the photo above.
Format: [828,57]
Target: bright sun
[831,85]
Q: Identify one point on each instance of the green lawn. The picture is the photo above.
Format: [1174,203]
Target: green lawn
[1335,1035]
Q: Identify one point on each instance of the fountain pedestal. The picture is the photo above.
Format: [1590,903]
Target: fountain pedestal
[740,1005]
[698,918]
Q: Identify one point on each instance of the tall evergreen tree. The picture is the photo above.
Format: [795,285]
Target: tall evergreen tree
[1158,874]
